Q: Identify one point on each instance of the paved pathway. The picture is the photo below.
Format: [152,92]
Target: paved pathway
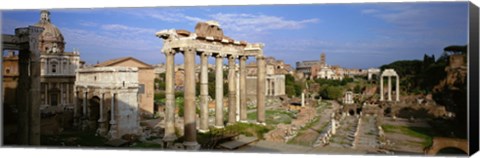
[345,133]
[310,135]
[367,137]
[275,147]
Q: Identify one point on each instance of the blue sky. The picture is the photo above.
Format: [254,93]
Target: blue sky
[352,35]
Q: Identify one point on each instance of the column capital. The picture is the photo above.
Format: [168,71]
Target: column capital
[170,52]
[231,57]
[188,49]
[260,57]
[243,57]
[205,54]
[220,55]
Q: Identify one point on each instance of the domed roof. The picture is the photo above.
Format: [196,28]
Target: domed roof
[50,33]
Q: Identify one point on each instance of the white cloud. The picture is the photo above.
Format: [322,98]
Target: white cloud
[113,44]
[88,23]
[251,22]
[129,29]
[369,11]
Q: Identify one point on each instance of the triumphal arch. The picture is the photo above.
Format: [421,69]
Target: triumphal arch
[207,41]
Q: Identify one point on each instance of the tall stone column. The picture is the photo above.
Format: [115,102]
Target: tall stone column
[170,97]
[85,96]
[219,91]
[35,93]
[261,89]
[102,129]
[381,88]
[204,92]
[84,118]
[46,93]
[237,95]
[22,99]
[231,90]
[75,108]
[389,88]
[101,107]
[397,92]
[243,88]
[189,116]
[67,97]
[113,124]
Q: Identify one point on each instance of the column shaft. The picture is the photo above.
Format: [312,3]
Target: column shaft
[22,99]
[231,90]
[75,106]
[397,92]
[170,97]
[243,88]
[112,109]
[389,88]
[261,89]
[381,88]
[204,92]
[190,124]
[85,103]
[35,100]
[67,97]
[219,91]
[101,108]
[113,124]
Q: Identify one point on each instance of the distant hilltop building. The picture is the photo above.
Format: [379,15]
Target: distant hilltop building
[304,68]
[314,69]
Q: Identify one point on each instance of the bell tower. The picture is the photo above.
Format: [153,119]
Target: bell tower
[44,16]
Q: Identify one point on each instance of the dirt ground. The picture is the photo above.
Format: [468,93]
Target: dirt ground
[401,141]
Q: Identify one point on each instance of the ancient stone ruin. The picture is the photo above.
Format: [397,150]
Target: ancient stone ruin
[209,40]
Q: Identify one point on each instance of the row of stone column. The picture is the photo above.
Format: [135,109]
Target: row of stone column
[64,98]
[389,90]
[189,93]
[102,129]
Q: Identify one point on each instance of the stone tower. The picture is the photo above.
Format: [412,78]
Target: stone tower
[322,60]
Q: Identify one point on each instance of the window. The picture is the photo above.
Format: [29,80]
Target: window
[7,71]
[141,89]
[54,68]
[54,99]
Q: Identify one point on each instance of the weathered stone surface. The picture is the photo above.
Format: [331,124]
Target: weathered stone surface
[118,85]
[279,134]
[206,29]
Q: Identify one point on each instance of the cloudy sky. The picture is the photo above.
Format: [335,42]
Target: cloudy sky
[352,35]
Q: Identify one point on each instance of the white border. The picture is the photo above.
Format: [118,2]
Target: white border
[82,153]
[49,4]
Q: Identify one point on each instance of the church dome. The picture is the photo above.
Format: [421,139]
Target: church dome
[51,38]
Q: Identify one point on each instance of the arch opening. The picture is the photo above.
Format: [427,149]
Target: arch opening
[94,111]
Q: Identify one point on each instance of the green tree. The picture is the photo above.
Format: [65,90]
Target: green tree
[357,89]
[331,92]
